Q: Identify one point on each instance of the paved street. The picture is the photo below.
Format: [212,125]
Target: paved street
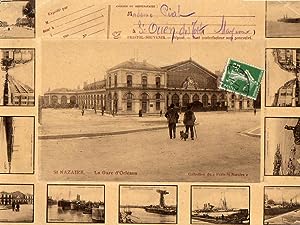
[222,151]
[16,32]
[24,215]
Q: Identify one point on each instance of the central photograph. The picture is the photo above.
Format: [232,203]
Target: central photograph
[118,111]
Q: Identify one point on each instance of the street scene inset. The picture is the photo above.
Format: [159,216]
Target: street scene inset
[17,19]
[16,203]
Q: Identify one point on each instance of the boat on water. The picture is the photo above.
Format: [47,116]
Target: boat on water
[64,204]
[222,214]
[162,208]
[240,216]
[287,19]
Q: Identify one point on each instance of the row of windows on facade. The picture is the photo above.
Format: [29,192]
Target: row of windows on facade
[129,82]
[11,196]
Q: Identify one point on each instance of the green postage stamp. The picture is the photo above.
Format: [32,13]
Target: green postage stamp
[241,78]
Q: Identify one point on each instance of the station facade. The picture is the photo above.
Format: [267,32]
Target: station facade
[132,86]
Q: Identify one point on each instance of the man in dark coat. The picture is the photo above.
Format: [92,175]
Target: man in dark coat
[189,121]
[172,116]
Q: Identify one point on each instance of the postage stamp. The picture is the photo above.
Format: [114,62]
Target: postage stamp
[241,78]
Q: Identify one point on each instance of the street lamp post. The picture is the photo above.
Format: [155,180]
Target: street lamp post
[8,120]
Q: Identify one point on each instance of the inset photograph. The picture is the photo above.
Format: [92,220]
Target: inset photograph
[16,203]
[282,19]
[76,204]
[281,205]
[17,77]
[148,204]
[17,144]
[220,205]
[17,19]
[282,146]
[158,104]
[282,77]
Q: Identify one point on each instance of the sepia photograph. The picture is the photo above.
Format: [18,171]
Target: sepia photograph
[148,204]
[282,19]
[17,145]
[282,146]
[220,205]
[75,204]
[17,19]
[17,77]
[282,77]
[121,106]
[281,206]
[16,203]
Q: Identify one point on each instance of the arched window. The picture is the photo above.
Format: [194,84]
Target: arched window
[196,98]
[129,81]
[205,100]
[157,101]
[157,82]
[185,99]
[54,100]
[214,100]
[144,82]
[64,100]
[129,98]
[175,99]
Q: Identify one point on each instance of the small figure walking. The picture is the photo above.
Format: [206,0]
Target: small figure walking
[254,111]
[102,111]
[189,121]
[82,111]
[160,113]
[172,116]
[95,110]
[13,205]
[140,113]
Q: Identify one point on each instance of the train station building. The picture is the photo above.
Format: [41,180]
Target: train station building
[132,86]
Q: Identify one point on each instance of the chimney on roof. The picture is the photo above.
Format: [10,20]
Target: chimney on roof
[84,83]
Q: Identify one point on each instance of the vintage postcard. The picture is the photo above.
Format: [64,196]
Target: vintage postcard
[114,115]
[282,79]
[17,77]
[75,204]
[149,112]
[17,19]
[220,205]
[148,204]
[16,203]
[281,206]
[17,144]
[282,146]
[282,19]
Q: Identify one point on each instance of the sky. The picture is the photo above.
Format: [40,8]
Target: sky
[87,193]
[10,11]
[70,63]
[141,195]
[277,9]
[25,189]
[285,193]
[236,197]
